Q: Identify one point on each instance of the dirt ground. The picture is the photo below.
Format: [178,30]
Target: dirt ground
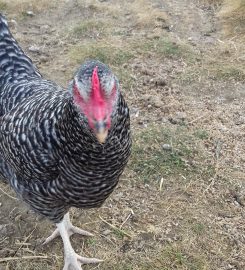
[180,202]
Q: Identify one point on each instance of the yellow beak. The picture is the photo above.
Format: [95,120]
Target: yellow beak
[101,135]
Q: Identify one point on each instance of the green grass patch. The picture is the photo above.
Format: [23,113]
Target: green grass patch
[151,162]
[107,54]
[218,71]
[91,242]
[125,77]
[122,265]
[170,257]
[165,48]
[227,72]
[201,134]
[119,233]
[89,27]
[198,228]
[185,156]
[117,55]
[168,48]
[3,6]
[174,257]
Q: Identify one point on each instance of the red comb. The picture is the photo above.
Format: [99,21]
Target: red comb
[96,92]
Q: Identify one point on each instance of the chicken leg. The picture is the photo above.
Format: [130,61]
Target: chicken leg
[69,228]
[72,260]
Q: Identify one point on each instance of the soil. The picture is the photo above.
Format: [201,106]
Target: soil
[189,218]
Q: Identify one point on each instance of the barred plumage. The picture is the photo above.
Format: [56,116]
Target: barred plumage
[49,151]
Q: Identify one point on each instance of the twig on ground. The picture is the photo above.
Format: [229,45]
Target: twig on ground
[217,156]
[198,118]
[108,239]
[115,228]
[23,243]
[161,183]
[218,148]
[7,259]
[4,192]
[127,218]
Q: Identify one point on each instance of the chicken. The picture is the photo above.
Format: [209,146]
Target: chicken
[60,148]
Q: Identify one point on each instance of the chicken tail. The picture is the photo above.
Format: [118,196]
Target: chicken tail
[15,65]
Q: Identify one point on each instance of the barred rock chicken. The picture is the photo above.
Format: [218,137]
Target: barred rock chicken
[60,148]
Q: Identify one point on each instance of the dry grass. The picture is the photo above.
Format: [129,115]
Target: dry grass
[232,15]
[146,16]
[106,53]
[175,208]
[91,27]
[22,6]
[152,163]
[215,3]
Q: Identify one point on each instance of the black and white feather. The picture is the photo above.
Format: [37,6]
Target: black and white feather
[48,153]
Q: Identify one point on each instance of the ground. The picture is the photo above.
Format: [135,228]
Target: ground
[180,202]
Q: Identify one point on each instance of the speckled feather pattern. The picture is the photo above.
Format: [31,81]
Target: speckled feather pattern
[48,153]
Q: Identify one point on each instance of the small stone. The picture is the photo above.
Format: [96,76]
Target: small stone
[34,48]
[30,13]
[137,114]
[239,121]
[13,23]
[167,147]
[146,71]
[181,115]
[136,66]
[169,240]
[172,120]
[18,217]
[160,82]
[174,85]
[164,119]
[106,232]
[154,36]
[145,97]
[178,118]
[45,28]
[44,59]
[222,127]
[133,110]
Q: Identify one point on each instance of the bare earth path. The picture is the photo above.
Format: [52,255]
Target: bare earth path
[180,203]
